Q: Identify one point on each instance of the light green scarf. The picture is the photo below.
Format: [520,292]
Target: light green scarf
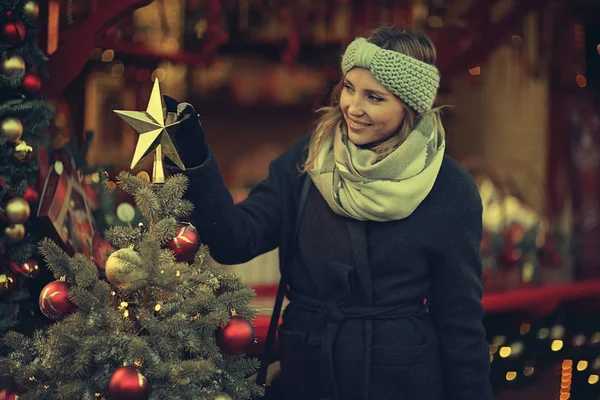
[356,185]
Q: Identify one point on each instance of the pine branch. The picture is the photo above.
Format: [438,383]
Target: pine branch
[198,371]
[84,271]
[181,209]
[202,258]
[57,260]
[83,299]
[122,236]
[129,183]
[165,229]
[172,190]
[148,204]
[17,342]
[13,81]
[70,390]
[102,292]
[150,253]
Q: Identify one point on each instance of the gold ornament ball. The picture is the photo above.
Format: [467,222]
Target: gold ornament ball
[123,267]
[23,152]
[12,129]
[32,9]
[15,233]
[12,64]
[17,210]
[7,282]
[223,397]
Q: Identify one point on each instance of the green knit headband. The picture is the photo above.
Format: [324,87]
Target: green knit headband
[413,81]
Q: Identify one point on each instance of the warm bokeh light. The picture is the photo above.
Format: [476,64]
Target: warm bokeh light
[556,345]
[108,55]
[581,81]
[96,53]
[435,21]
[505,351]
[117,70]
[159,73]
[582,365]
[475,71]
[517,40]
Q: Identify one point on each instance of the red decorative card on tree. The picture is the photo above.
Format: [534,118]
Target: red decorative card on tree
[66,209]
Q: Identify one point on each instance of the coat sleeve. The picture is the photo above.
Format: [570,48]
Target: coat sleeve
[456,306]
[234,233]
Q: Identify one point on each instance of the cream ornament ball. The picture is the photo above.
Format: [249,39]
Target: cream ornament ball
[124,268]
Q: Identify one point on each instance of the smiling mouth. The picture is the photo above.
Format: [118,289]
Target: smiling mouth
[357,125]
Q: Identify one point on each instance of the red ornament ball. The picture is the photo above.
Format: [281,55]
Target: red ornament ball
[186,242]
[128,383]
[54,300]
[30,268]
[14,32]
[236,336]
[5,395]
[32,83]
[31,195]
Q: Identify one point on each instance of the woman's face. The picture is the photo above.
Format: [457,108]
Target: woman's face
[372,113]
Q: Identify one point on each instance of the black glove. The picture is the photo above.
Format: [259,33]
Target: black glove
[189,139]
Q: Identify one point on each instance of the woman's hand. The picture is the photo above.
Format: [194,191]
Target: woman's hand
[189,139]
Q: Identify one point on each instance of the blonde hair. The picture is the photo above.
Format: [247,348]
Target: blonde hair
[411,43]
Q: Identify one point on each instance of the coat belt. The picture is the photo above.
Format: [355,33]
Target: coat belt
[332,313]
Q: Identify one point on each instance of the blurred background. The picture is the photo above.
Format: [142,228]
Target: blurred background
[523,82]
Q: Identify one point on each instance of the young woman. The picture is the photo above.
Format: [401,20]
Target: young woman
[378,232]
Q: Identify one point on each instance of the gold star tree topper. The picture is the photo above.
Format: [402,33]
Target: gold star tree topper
[155,134]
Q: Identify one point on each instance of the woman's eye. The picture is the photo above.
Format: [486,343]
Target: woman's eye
[374,98]
[347,87]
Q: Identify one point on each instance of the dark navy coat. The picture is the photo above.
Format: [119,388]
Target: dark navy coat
[379,310]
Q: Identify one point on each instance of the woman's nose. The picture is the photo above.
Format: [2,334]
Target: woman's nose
[355,106]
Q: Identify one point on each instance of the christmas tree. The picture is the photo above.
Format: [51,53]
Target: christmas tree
[167,324]
[24,115]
